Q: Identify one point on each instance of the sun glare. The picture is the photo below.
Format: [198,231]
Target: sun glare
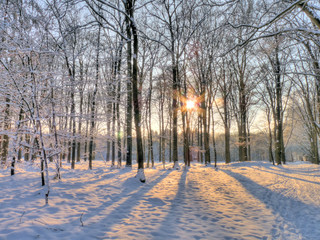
[190,104]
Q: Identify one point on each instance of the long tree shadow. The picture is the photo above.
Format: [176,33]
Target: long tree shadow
[167,229]
[303,217]
[118,208]
[288,176]
[125,201]
[293,169]
[97,177]
[100,183]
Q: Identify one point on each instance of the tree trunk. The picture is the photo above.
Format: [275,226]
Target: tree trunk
[93,103]
[315,147]
[205,126]
[226,130]
[214,140]
[129,12]
[136,107]
[175,88]
[6,128]
[113,144]
[87,129]
[279,146]
[160,124]
[118,65]
[21,116]
[150,120]
[109,112]
[81,113]
[73,121]
[271,158]
[243,151]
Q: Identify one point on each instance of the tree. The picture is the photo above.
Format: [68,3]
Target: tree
[135,98]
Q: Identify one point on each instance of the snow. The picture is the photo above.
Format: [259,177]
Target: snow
[252,200]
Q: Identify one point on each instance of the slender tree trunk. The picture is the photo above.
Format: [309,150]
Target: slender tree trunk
[279,150]
[185,136]
[185,125]
[205,126]
[160,124]
[56,146]
[109,112]
[175,88]
[70,141]
[79,128]
[73,121]
[6,128]
[315,147]
[118,67]
[87,129]
[21,116]
[135,98]
[226,130]
[27,149]
[129,12]
[80,114]
[170,131]
[214,140]
[93,103]
[150,125]
[271,158]
[248,142]
[65,128]
[113,144]
[243,151]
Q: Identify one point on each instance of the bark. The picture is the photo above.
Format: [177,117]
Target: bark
[113,144]
[243,154]
[135,98]
[56,146]
[6,128]
[175,88]
[79,127]
[117,76]
[129,12]
[21,116]
[81,111]
[150,127]
[93,103]
[279,146]
[87,128]
[109,112]
[315,147]
[205,126]
[17,140]
[185,123]
[226,130]
[27,149]
[271,158]
[175,94]
[310,13]
[214,141]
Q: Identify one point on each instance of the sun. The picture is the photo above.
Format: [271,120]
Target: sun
[190,104]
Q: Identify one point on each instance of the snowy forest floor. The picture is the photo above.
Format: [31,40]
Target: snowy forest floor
[252,200]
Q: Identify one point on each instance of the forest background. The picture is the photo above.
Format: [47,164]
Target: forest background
[82,80]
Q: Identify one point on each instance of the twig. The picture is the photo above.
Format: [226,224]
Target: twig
[22,215]
[42,222]
[81,219]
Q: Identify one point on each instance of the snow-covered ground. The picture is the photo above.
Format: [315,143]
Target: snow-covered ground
[253,200]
